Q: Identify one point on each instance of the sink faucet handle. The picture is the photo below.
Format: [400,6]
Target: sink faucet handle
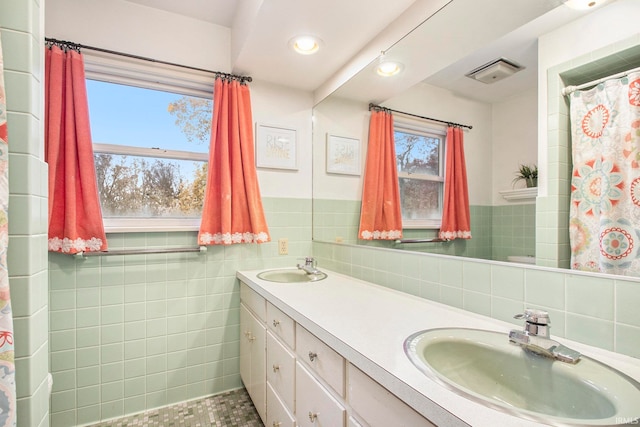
[532,315]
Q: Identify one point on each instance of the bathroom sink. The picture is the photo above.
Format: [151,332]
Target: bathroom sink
[290,275]
[485,367]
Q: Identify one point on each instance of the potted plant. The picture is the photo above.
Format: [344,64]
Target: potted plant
[527,173]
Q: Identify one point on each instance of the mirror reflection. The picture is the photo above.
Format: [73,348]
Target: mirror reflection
[435,60]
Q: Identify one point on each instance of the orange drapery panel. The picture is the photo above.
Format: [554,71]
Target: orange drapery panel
[75,217]
[456,223]
[232,211]
[380,215]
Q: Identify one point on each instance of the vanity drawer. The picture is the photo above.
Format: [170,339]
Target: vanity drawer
[254,301]
[277,413]
[281,367]
[281,324]
[321,358]
[376,405]
[315,406]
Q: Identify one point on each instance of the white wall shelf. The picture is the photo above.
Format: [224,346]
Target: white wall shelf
[520,195]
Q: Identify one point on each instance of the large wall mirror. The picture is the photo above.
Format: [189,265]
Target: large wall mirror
[436,58]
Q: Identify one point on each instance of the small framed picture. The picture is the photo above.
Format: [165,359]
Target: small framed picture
[343,155]
[276,147]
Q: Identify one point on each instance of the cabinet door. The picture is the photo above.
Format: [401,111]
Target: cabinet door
[281,324]
[376,405]
[315,406]
[277,413]
[245,346]
[253,359]
[281,367]
[325,361]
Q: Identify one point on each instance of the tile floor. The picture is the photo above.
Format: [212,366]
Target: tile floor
[229,409]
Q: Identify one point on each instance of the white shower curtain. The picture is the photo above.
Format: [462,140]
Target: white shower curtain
[605,183]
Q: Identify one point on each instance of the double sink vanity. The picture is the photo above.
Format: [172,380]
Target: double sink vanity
[319,348]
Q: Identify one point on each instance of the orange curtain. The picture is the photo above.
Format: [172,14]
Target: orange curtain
[232,211]
[455,214]
[380,215]
[75,218]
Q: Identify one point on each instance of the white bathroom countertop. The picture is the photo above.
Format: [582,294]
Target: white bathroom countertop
[368,324]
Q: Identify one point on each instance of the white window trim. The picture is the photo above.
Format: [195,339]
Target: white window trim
[139,73]
[419,128]
[155,152]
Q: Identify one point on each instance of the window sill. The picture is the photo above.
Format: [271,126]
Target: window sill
[521,194]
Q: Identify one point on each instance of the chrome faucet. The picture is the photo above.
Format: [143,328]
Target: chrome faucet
[309,266]
[536,337]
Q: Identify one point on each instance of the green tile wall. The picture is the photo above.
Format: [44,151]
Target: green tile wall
[595,309]
[514,231]
[20,25]
[498,231]
[134,332]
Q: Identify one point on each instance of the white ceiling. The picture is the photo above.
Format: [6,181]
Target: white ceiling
[261,31]
[219,12]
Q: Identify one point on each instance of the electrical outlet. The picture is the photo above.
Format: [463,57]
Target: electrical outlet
[283,246]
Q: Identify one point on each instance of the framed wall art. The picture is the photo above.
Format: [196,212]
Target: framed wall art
[343,155]
[276,147]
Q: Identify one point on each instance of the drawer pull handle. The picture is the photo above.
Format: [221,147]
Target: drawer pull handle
[313,416]
[247,334]
[251,339]
[275,323]
[313,356]
[276,368]
[277,424]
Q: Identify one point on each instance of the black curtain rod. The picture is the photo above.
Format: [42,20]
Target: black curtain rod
[76,46]
[372,106]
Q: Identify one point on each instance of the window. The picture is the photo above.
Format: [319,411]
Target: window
[420,162]
[151,144]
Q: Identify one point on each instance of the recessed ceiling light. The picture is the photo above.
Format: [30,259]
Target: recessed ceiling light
[584,4]
[388,68]
[305,45]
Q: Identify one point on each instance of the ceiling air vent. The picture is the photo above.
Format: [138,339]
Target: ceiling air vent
[495,71]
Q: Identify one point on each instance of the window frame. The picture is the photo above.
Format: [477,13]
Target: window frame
[424,129]
[109,68]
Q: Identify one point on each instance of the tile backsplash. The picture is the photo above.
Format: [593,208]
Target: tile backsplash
[498,231]
[134,332]
[595,309]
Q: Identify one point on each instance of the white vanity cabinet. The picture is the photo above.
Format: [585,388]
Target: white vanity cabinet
[252,348]
[376,405]
[297,380]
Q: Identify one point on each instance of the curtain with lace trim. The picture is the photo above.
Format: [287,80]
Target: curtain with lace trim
[75,217]
[380,214]
[232,211]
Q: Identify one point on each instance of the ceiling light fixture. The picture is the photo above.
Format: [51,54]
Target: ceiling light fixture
[494,71]
[583,4]
[305,45]
[387,68]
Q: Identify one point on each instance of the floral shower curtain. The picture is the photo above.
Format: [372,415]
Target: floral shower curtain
[380,214]
[7,365]
[75,216]
[232,211]
[605,184]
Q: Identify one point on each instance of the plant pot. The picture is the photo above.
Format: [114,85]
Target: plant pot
[531,182]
